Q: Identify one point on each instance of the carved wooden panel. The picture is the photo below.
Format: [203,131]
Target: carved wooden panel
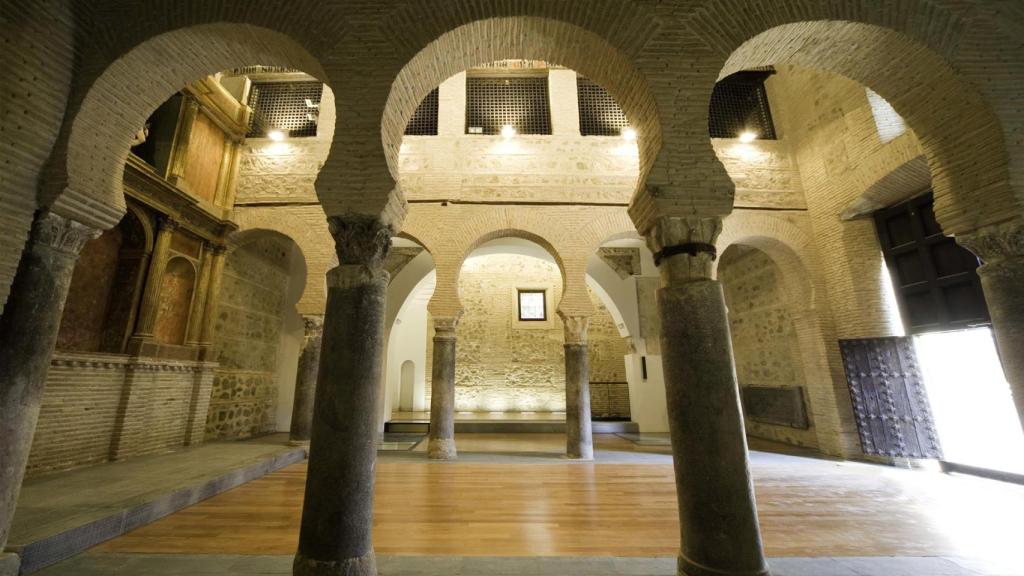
[782,406]
[205,153]
[890,403]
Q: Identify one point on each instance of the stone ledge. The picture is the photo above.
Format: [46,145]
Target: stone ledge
[53,548]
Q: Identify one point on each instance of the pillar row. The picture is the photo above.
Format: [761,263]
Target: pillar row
[337,511]
[305,380]
[719,530]
[1001,249]
[28,334]
[579,440]
[441,441]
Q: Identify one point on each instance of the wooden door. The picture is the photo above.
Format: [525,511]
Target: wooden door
[889,398]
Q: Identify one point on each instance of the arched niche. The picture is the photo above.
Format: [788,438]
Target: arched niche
[173,310]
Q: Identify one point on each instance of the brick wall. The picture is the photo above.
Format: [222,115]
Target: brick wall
[247,338]
[98,407]
[507,365]
[764,339]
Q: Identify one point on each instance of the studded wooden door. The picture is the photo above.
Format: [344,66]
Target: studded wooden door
[889,398]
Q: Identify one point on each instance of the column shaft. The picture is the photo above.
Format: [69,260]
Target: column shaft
[195,321]
[337,513]
[154,279]
[441,441]
[1001,249]
[719,531]
[305,380]
[28,333]
[579,442]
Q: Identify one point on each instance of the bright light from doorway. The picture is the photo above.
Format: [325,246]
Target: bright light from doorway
[628,134]
[276,135]
[974,411]
[747,136]
[508,131]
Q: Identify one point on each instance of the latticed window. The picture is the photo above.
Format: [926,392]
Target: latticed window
[424,119]
[290,107]
[517,101]
[739,104]
[600,114]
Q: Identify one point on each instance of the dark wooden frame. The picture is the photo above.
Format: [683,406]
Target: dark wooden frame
[519,303]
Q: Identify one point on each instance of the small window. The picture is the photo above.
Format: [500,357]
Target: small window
[739,104]
[600,114]
[292,108]
[424,119]
[517,101]
[889,123]
[533,306]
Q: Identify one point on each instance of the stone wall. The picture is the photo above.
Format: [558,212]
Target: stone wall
[765,343]
[508,365]
[99,407]
[247,338]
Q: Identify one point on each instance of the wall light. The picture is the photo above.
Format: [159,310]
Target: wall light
[508,131]
[628,133]
[748,136]
[276,135]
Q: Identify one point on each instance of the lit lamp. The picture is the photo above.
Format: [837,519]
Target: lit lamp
[508,131]
[276,135]
[628,133]
[747,136]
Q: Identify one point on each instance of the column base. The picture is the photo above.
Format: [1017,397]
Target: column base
[441,449]
[365,565]
[10,564]
[584,453]
[299,443]
[685,567]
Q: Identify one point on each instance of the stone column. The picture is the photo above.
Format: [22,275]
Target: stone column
[337,513]
[719,532]
[579,441]
[305,380]
[154,279]
[217,258]
[1001,249]
[195,320]
[28,333]
[441,442]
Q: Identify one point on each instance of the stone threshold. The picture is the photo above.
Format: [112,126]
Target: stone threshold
[101,564]
[58,535]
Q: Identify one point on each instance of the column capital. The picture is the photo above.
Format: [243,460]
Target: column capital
[313,325]
[444,326]
[167,223]
[59,233]
[362,243]
[575,328]
[997,245]
[684,246]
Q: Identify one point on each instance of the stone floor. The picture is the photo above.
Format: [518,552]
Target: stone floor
[94,564]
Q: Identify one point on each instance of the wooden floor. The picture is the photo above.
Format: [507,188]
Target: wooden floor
[808,507]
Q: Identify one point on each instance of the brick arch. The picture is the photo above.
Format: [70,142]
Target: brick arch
[83,176]
[787,246]
[552,38]
[908,65]
[296,285]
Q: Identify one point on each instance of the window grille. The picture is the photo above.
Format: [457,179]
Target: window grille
[424,119]
[739,104]
[521,102]
[291,107]
[600,114]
